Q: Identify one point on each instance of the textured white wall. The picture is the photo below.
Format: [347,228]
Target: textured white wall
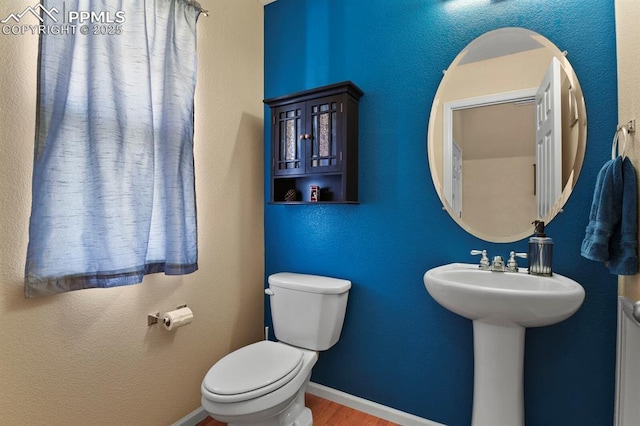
[88,356]
[628,46]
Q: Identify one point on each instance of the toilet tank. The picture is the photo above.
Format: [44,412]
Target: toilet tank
[308,310]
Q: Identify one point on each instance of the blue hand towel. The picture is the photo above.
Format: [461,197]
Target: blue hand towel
[606,211]
[623,247]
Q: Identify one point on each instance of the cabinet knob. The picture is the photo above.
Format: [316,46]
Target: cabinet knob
[301,137]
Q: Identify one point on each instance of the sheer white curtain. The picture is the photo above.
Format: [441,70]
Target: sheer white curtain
[113,178]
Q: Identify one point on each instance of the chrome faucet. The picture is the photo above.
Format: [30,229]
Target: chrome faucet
[498,265]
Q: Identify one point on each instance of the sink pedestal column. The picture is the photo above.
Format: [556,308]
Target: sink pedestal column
[498,393]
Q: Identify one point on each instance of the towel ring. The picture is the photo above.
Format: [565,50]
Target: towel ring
[619,150]
[626,129]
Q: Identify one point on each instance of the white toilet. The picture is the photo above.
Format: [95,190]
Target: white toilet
[264,383]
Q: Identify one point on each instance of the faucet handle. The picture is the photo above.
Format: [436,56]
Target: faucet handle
[484,260]
[512,263]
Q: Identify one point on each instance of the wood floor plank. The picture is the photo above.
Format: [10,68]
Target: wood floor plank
[328,413]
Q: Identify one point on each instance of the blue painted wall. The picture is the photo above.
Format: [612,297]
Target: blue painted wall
[398,346]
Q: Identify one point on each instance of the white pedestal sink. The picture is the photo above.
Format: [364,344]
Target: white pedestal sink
[501,305]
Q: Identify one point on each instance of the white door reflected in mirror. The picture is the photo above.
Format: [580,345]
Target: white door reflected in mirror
[548,141]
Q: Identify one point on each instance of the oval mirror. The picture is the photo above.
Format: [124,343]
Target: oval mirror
[507,134]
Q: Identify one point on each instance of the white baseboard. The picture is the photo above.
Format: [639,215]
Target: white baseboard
[357,403]
[369,407]
[193,418]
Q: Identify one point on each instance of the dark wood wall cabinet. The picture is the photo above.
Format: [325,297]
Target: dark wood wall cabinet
[314,145]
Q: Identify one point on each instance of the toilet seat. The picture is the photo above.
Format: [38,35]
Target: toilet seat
[252,371]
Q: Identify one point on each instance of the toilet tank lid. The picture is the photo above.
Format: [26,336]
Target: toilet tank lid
[309,283]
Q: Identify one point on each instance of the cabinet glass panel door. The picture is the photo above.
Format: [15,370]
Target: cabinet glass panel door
[288,140]
[324,150]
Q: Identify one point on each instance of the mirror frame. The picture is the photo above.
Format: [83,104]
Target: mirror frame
[438,117]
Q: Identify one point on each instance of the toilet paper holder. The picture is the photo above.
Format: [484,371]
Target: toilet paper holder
[154,318]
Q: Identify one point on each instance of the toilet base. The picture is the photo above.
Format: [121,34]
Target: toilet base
[294,415]
[297,414]
[305,419]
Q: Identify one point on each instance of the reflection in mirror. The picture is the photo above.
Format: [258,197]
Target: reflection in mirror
[507,134]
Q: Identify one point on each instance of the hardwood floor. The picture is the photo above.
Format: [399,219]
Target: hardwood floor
[328,413]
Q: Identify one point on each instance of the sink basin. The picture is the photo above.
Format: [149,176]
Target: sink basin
[504,297]
[501,306]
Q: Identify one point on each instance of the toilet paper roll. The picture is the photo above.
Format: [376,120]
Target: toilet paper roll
[177,318]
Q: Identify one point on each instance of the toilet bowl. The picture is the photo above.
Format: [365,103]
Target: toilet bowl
[264,383]
[260,384]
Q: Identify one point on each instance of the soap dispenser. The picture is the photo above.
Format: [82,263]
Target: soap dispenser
[540,251]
